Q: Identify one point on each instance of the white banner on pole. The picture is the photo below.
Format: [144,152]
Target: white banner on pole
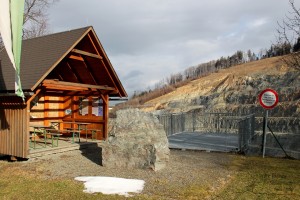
[11,23]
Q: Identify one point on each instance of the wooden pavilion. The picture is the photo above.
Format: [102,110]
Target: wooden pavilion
[65,77]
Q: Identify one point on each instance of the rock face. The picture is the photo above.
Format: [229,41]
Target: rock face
[136,140]
[235,90]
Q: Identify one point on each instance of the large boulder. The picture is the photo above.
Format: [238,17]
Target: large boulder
[136,140]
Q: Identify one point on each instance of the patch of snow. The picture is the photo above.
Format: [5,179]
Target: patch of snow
[111,185]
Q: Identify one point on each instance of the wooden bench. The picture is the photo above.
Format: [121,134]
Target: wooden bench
[33,141]
[75,133]
[54,134]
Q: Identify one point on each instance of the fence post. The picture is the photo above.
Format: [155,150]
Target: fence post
[253,125]
[218,122]
[182,122]
[193,115]
[171,119]
[240,134]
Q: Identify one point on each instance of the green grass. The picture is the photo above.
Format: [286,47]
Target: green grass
[22,185]
[251,178]
[263,178]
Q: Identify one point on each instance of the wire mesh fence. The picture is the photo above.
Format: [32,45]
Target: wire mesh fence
[284,138]
[226,124]
[245,130]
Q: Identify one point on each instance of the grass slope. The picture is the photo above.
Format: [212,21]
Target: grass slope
[258,178]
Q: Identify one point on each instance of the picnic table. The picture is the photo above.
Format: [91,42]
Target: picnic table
[79,128]
[54,134]
[45,131]
[74,131]
[38,130]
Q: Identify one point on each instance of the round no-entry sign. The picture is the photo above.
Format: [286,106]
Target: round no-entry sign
[268,98]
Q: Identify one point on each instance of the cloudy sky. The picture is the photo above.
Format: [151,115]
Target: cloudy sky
[147,40]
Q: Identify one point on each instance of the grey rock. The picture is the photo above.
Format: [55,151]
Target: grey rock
[136,140]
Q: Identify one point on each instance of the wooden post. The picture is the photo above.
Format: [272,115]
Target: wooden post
[90,107]
[61,111]
[73,107]
[105,116]
[26,141]
[46,111]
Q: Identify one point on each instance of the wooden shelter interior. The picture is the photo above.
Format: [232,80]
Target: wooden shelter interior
[77,89]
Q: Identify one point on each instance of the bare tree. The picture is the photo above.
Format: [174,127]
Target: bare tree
[289,35]
[35,18]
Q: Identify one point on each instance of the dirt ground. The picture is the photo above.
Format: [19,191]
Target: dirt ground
[186,169]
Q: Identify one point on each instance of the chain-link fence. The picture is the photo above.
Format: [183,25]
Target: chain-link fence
[246,131]
[226,124]
[284,138]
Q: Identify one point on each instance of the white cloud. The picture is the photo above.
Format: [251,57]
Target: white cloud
[258,22]
[149,40]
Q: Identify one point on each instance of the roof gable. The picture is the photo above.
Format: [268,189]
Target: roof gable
[52,56]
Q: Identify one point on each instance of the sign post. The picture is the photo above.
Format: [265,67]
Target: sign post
[265,133]
[268,99]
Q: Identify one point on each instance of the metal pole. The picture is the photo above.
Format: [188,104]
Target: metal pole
[218,122]
[265,133]
[193,120]
[171,124]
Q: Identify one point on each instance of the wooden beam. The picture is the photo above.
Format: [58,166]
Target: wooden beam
[75,72]
[109,65]
[49,83]
[85,53]
[62,87]
[60,93]
[105,116]
[72,70]
[58,74]
[33,96]
[76,58]
[102,61]
[104,99]
[89,69]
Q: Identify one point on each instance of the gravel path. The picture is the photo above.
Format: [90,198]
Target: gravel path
[185,169]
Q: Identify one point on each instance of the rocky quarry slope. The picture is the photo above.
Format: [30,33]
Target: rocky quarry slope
[236,90]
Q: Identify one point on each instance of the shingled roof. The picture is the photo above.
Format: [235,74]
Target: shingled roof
[49,55]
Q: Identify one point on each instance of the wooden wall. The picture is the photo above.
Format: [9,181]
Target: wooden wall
[46,109]
[15,117]
[50,108]
[14,137]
